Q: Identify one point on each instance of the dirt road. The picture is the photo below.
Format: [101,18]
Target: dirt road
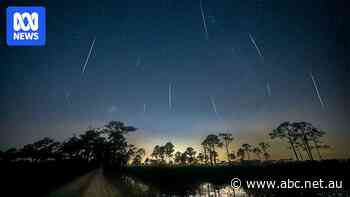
[93,184]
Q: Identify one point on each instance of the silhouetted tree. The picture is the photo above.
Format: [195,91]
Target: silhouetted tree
[177,157]
[73,148]
[10,154]
[257,151]
[201,157]
[116,152]
[102,146]
[131,151]
[183,158]
[303,130]
[43,150]
[28,152]
[190,155]
[215,156]
[315,135]
[169,150]
[247,148]
[299,148]
[92,144]
[136,160]
[139,154]
[286,131]
[227,139]
[156,152]
[265,148]
[232,156]
[241,153]
[159,154]
[211,142]
[205,152]
[299,135]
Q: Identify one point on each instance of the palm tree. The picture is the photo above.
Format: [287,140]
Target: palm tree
[227,139]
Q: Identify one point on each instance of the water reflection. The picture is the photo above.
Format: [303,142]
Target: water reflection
[131,186]
[209,189]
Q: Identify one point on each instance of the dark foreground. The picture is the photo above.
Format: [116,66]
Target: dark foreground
[56,181]
[215,181]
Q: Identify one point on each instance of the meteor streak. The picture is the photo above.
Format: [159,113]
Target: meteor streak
[170,97]
[317,91]
[213,104]
[203,18]
[88,56]
[255,45]
[268,89]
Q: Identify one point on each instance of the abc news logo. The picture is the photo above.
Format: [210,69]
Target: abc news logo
[32,25]
[25,26]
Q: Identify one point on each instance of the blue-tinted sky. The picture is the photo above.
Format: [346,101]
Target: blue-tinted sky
[143,46]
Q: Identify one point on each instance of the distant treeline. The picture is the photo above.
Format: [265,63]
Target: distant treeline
[102,146]
[108,146]
[303,139]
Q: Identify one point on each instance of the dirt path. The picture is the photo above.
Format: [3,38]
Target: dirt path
[93,184]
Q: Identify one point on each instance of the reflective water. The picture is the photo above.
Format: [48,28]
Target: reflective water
[137,188]
[131,186]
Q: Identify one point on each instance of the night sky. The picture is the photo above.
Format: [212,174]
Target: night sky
[143,47]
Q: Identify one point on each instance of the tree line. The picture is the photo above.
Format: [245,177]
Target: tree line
[103,146]
[108,146]
[165,154]
[303,139]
